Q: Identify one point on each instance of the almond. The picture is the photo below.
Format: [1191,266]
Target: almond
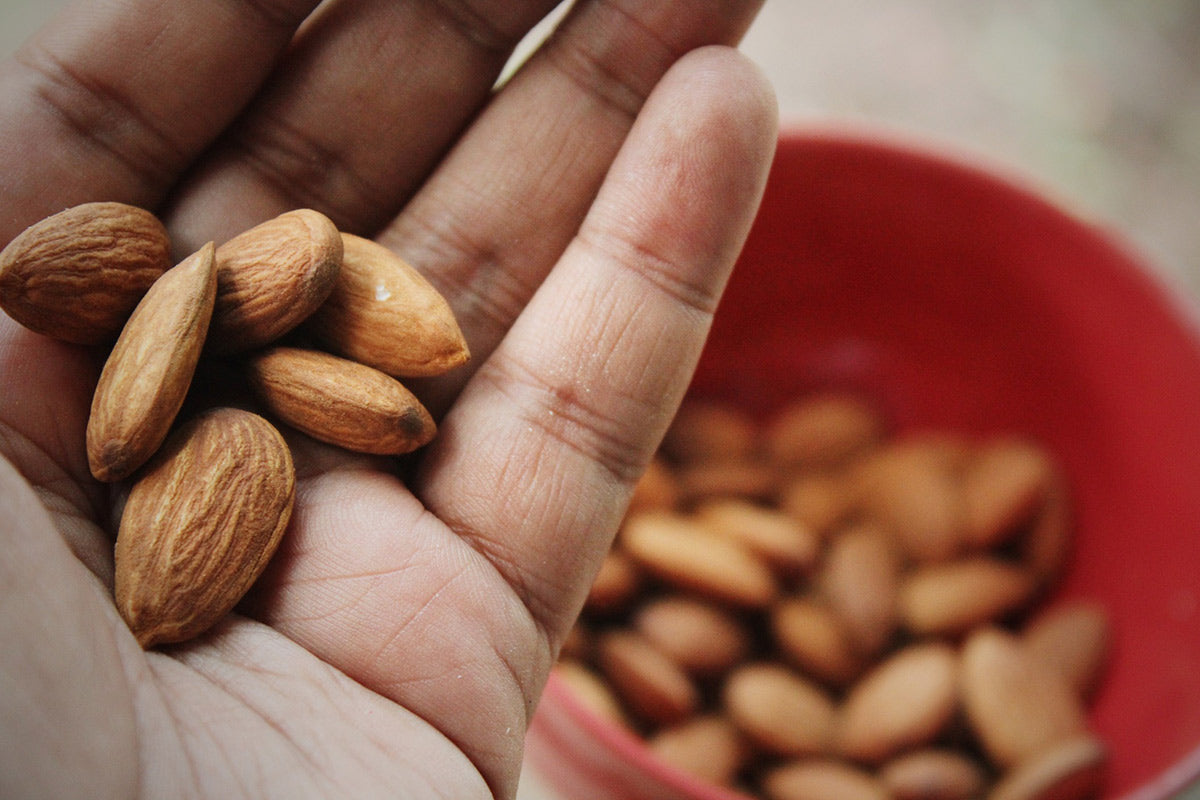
[1003,487]
[778,709]
[615,585]
[708,747]
[148,372]
[819,500]
[901,704]
[339,401]
[272,277]
[950,599]
[913,489]
[656,489]
[933,774]
[1073,639]
[649,683]
[785,543]
[383,313]
[702,638]
[823,430]
[78,274]
[685,554]
[590,690]
[859,579]
[733,478]
[1016,707]
[822,780]
[811,636]
[705,430]
[1046,546]
[201,523]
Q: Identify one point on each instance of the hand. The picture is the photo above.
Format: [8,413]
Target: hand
[581,221]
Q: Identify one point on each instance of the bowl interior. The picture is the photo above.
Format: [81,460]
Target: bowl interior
[964,301]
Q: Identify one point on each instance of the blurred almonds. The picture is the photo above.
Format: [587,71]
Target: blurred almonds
[854,611]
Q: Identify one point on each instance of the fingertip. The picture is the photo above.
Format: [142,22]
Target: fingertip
[690,177]
[723,92]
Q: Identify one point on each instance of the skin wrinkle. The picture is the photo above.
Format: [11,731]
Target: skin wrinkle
[71,509]
[472,274]
[428,601]
[301,170]
[660,273]
[228,666]
[278,14]
[538,598]
[330,147]
[177,726]
[186,727]
[479,28]
[147,154]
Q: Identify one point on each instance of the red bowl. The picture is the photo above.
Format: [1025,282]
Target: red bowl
[966,300]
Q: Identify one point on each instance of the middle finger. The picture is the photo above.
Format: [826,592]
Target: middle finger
[366,101]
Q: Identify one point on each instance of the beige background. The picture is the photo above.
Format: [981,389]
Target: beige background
[1098,101]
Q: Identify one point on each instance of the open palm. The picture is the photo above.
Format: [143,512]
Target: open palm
[581,221]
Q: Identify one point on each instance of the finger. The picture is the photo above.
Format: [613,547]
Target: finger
[497,214]
[113,99]
[358,113]
[533,466]
[578,394]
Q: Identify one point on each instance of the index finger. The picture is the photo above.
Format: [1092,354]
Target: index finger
[112,100]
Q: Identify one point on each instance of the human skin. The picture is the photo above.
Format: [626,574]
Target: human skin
[581,221]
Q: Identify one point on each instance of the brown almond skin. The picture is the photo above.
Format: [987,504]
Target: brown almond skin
[708,747]
[1003,487]
[1046,546]
[1016,707]
[147,374]
[912,487]
[703,638]
[814,638]
[271,278]
[902,703]
[952,598]
[1073,638]
[819,500]
[685,554]
[383,313]
[77,275]
[778,709]
[201,523]
[859,579]
[822,780]
[933,774]
[823,430]
[787,544]
[615,586]
[656,490]
[339,401]
[651,685]
[738,478]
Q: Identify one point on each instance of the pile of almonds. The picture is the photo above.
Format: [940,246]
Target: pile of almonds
[319,324]
[812,608]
